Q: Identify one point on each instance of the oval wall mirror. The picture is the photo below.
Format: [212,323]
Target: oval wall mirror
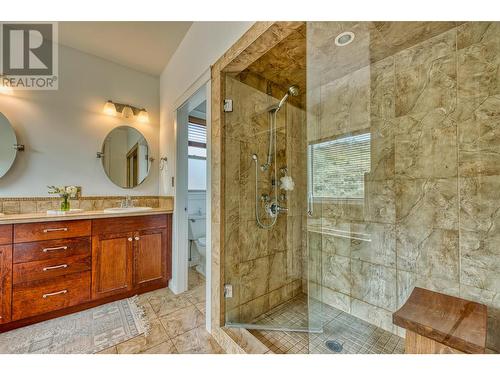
[8,141]
[125,157]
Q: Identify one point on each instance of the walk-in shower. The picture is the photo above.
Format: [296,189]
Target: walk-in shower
[387,136]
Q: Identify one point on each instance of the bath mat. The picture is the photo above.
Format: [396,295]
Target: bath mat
[85,332]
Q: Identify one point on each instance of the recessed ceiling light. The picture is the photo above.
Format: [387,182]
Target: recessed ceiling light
[345,38]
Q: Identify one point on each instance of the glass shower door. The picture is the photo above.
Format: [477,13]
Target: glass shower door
[265,205]
[344,121]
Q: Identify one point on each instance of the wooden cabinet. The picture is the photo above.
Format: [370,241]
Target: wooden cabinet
[111,264]
[54,268]
[135,258]
[150,263]
[5,282]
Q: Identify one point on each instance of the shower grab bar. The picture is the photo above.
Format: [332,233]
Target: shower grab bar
[310,208]
[340,235]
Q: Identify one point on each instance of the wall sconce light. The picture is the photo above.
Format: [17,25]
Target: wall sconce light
[126,110]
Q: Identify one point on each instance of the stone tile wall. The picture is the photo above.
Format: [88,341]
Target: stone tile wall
[432,197]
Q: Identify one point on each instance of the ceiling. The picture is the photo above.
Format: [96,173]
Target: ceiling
[285,64]
[143,46]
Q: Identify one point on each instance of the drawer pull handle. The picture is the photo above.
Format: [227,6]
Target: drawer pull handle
[55,230]
[129,239]
[47,249]
[137,238]
[55,267]
[64,291]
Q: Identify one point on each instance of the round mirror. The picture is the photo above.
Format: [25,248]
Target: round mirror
[125,157]
[7,142]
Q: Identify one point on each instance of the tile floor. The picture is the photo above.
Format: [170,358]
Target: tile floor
[177,323]
[354,335]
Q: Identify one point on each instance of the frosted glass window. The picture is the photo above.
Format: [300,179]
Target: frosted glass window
[337,167]
[197,174]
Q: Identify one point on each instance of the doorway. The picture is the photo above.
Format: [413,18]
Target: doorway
[192,211]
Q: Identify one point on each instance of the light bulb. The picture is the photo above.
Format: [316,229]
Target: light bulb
[109,108]
[143,116]
[127,112]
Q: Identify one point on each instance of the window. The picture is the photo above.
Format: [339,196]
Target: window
[197,155]
[337,167]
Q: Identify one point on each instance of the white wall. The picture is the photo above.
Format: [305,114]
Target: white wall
[203,44]
[63,129]
[7,142]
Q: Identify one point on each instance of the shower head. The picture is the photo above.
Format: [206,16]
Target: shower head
[292,91]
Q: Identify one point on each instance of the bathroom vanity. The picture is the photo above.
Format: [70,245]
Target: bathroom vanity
[52,266]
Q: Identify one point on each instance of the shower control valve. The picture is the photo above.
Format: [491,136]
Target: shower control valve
[273,209]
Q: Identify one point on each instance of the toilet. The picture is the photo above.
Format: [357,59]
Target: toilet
[197,234]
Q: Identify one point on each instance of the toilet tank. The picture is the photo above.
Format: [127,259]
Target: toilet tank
[197,227]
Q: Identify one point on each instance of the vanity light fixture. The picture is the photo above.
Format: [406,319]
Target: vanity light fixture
[143,116]
[126,111]
[109,108]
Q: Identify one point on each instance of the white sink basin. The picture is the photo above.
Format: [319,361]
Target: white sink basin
[119,210]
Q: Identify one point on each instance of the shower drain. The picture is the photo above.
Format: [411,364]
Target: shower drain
[334,346]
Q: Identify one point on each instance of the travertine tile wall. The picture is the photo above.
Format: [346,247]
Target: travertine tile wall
[432,198]
[264,266]
[30,205]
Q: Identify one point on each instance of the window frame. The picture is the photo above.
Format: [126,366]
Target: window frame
[201,122]
[310,170]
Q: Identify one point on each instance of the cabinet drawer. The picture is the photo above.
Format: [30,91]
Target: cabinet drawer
[44,296]
[50,268]
[52,249]
[51,230]
[5,234]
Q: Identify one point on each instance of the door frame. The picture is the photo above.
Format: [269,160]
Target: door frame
[180,261]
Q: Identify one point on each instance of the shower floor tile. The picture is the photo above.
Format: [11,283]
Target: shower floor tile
[351,335]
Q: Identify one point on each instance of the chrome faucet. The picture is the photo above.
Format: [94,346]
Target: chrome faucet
[273,209]
[127,202]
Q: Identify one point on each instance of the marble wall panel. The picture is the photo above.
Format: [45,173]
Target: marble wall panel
[374,284]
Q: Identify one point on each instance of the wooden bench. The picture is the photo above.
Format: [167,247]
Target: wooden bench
[436,323]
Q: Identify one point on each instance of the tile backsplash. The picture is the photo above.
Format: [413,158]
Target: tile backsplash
[95,203]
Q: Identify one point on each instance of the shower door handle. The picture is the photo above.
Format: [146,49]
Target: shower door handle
[310,210]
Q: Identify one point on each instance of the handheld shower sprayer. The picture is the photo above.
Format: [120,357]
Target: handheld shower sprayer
[292,91]
[272,207]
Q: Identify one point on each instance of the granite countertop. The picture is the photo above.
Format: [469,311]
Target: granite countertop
[43,217]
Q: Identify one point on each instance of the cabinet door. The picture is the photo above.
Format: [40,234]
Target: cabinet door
[5,282]
[150,263]
[111,264]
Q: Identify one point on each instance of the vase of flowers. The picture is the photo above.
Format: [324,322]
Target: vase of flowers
[65,192]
